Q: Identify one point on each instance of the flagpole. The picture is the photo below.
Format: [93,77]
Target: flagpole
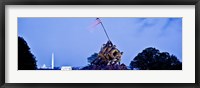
[104,29]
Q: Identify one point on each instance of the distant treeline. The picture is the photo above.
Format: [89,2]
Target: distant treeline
[149,59]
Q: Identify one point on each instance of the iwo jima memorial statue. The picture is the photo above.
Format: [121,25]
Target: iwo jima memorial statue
[109,56]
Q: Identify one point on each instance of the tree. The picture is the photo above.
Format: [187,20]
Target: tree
[105,67]
[26,60]
[102,66]
[153,59]
[92,58]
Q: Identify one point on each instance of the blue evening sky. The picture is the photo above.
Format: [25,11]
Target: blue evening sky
[72,40]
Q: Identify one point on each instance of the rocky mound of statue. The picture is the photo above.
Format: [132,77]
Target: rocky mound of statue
[108,58]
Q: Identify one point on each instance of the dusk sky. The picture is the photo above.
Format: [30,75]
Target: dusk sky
[73,40]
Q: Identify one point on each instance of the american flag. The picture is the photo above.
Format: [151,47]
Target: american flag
[94,24]
[98,21]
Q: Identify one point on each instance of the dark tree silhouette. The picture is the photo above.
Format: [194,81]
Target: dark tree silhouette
[106,67]
[153,59]
[102,66]
[26,60]
[92,58]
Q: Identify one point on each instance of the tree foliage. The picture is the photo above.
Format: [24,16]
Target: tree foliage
[92,58]
[102,66]
[26,60]
[105,67]
[153,59]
